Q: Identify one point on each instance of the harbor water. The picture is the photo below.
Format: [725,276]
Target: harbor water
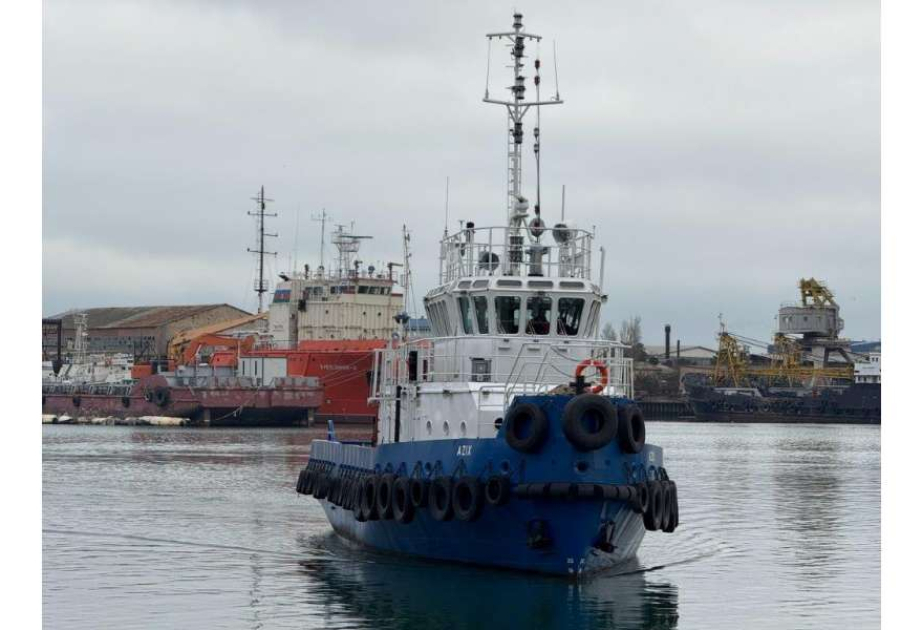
[149,527]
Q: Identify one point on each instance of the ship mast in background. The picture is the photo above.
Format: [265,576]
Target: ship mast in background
[261,285]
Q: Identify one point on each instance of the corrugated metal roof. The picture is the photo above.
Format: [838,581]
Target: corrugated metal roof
[192,333]
[138,316]
[688,352]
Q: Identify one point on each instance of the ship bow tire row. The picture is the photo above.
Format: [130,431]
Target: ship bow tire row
[656,501]
[590,422]
[389,497]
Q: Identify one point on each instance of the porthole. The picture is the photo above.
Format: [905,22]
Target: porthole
[445,427]
[429,427]
[463,429]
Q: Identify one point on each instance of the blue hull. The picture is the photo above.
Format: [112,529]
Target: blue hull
[499,537]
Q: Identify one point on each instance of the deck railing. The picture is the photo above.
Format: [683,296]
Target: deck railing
[563,252]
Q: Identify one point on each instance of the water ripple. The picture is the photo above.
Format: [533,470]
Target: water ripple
[151,527]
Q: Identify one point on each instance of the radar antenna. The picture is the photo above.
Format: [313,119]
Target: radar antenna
[347,244]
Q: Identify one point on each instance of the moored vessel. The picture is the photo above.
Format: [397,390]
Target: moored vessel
[811,374]
[508,438]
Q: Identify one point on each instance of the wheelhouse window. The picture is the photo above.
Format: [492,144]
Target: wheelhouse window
[592,329]
[464,305]
[569,314]
[480,311]
[507,314]
[433,318]
[444,321]
[538,312]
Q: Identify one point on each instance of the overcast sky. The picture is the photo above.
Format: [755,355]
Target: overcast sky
[723,149]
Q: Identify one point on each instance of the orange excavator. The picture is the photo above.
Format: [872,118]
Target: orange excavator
[220,347]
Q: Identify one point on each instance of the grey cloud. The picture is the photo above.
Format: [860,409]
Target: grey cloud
[722,149]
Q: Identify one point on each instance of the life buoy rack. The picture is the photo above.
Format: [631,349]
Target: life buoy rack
[603,373]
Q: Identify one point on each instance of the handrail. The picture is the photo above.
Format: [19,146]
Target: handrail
[515,252]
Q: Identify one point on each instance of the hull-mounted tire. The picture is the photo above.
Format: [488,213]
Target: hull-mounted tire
[440,498]
[653,515]
[497,490]
[590,422]
[526,427]
[402,501]
[632,430]
[384,496]
[467,499]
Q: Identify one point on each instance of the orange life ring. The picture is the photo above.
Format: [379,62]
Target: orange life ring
[598,365]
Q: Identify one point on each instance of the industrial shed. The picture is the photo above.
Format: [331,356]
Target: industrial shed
[143,331]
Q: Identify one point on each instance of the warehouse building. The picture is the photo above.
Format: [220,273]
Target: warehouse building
[141,331]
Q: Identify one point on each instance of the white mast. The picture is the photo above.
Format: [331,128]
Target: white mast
[516,204]
[322,218]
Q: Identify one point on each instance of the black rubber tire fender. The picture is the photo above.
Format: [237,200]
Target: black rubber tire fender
[467,499]
[335,487]
[497,490]
[344,493]
[641,498]
[359,511]
[357,499]
[76,401]
[653,515]
[602,422]
[384,494]
[402,501]
[419,492]
[322,488]
[370,497]
[162,396]
[440,498]
[632,430]
[667,505]
[126,401]
[674,511]
[526,427]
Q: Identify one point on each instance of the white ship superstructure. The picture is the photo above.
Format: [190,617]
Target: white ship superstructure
[352,302]
[867,370]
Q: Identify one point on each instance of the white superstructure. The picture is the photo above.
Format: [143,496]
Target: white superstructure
[351,302]
[516,311]
[868,370]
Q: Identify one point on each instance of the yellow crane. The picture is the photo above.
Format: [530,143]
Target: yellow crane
[732,365]
[815,293]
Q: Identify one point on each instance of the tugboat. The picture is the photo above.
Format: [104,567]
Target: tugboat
[508,439]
